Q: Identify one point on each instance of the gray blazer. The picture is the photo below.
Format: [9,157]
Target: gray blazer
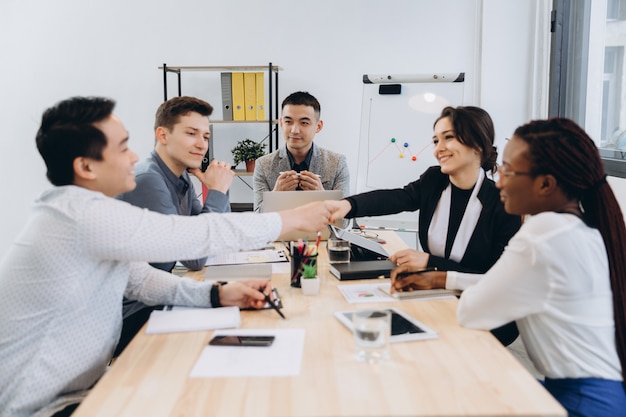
[331,166]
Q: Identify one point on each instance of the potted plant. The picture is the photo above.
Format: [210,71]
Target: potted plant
[248,151]
[310,282]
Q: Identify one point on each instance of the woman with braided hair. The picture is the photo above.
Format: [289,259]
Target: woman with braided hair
[562,277]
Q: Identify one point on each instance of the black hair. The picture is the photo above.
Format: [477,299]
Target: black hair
[67,132]
[305,99]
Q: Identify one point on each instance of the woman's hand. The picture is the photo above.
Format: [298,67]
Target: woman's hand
[413,259]
[405,278]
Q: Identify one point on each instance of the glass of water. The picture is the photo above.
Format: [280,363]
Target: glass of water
[338,251]
[372,331]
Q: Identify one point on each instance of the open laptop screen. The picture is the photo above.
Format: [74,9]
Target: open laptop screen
[285,200]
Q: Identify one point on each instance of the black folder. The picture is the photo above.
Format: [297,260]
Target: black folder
[362,269]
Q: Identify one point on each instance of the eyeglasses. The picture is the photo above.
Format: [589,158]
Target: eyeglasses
[365,234]
[502,171]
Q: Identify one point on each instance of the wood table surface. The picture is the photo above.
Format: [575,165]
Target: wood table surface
[461,373]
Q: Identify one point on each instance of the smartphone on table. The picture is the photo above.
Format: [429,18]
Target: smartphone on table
[232,340]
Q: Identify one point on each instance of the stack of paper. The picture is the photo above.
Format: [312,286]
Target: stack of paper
[193,319]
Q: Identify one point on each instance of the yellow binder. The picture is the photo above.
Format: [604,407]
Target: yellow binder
[260,96]
[239,112]
[249,95]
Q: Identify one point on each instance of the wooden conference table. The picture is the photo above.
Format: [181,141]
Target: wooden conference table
[462,373]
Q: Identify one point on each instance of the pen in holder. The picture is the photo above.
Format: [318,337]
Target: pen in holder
[301,254]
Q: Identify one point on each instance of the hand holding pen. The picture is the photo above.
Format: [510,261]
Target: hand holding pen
[272,304]
[244,294]
[403,278]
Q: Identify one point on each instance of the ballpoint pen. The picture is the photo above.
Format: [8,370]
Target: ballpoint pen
[272,303]
[419,271]
[317,243]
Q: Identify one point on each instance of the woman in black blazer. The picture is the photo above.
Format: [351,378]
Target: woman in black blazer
[462,223]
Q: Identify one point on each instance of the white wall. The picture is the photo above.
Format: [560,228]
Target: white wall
[53,50]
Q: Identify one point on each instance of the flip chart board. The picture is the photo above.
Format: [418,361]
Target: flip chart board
[397,117]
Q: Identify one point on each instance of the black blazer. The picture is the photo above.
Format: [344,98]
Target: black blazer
[492,233]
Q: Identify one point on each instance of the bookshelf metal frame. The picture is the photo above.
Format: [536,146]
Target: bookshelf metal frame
[272,71]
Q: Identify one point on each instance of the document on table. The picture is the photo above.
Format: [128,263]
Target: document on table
[282,358]
[193,319]
[377,293]
[248,257]
[364,293]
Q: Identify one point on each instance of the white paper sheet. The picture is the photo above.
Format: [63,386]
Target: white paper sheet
[282,358]
[248,257]
[365,293]
[193,319]
[377,293]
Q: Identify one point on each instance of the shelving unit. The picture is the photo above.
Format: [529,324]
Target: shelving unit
[272,89]
[271,121]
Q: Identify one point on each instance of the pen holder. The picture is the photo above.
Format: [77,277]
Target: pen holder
[301,255]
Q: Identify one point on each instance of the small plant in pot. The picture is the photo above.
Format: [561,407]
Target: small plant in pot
[247,151]
[310,282]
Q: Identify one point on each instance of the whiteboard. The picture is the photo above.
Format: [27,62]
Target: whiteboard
[395,144]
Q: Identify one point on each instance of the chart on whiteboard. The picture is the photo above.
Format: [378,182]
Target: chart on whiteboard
[395,144]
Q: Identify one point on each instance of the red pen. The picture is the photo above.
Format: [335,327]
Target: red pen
[300,247]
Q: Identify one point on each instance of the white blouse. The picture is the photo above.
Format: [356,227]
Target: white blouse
[553,280]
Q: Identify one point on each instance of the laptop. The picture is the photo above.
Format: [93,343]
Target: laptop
[285,200]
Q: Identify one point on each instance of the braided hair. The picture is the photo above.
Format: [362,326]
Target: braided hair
[561,148]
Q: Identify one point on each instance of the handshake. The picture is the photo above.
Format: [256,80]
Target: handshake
[311,217]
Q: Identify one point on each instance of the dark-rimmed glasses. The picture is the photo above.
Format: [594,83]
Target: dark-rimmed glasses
[506,173]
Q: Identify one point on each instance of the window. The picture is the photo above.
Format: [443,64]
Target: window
[587,73]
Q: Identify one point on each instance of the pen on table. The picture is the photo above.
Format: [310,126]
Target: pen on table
[272,303]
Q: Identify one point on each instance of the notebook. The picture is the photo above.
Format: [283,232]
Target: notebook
[362,270]
[285,200]
[370,260]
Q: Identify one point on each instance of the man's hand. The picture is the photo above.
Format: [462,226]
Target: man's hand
[246,294]
[311,217]
[287,181]
[310,181]
[339,207]
[218,176]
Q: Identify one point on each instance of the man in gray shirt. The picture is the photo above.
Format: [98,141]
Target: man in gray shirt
[164,185]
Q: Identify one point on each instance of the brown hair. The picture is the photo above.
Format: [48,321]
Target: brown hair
[168,113]
[561,148]
[474,128]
